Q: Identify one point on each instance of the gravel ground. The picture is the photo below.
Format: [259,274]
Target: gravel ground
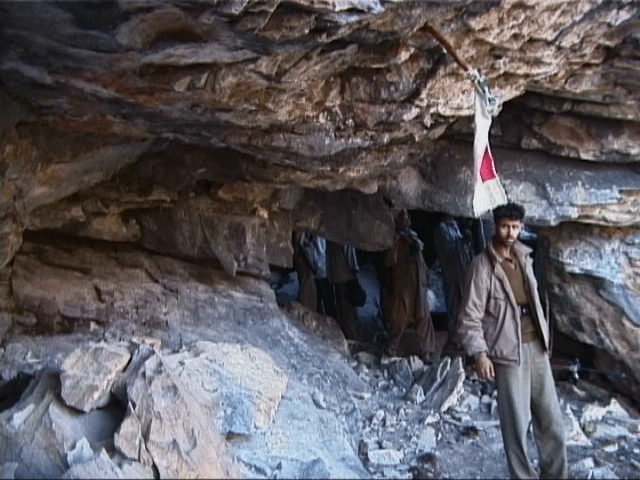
[468,443]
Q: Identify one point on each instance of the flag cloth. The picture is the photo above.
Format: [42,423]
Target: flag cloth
[488,192]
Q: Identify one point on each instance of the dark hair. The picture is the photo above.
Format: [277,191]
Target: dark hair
[512,211]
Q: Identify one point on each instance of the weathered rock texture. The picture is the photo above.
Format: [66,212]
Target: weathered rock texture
[216,370]
[175,427]
[37,432]
[595,293]
[88,375]
[254,383]
[210,130]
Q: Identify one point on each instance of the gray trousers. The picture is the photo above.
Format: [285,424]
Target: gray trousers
[527,393]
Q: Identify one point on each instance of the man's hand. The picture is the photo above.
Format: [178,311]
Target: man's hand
[484,367]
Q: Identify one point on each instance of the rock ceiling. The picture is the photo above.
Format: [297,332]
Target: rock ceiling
[244,98]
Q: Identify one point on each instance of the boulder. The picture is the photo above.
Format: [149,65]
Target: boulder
[574,432]
[242,381]
[415,394]
[88,374]
[302,440]
[385,456]
[128,440]
[39,430]
[443,384]
[427,440]
[179,433]
[101,465]
[399,370]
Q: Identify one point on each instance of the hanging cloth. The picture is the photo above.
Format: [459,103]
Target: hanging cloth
[488,192]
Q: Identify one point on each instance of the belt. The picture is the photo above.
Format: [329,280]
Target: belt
[525,311]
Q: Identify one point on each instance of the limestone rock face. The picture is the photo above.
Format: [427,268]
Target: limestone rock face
[173,99]
[302,403]
[175,428]
[232,364]
[326,327]
[243,381]
[595,292]
[114,286]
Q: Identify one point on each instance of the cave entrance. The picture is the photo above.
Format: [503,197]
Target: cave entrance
[372,324]
[371,319]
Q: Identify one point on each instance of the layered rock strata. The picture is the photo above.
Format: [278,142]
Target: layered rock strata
[210,131]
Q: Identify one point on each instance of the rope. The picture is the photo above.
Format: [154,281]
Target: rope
[492,103]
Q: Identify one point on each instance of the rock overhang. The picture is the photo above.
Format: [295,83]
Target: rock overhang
[318,91]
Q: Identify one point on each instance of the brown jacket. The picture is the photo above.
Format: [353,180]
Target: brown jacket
[489,318]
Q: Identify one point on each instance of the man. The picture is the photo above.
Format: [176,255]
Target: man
[504,329]
[409,285]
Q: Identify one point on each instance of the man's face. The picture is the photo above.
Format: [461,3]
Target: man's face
[507,231]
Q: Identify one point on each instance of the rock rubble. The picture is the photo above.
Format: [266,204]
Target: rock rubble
[405,434]
[229,384]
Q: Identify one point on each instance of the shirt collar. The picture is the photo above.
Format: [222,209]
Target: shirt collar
[498,256]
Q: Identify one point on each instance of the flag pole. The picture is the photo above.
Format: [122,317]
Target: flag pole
[448,47]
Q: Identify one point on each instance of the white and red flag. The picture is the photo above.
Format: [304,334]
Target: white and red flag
[488,191]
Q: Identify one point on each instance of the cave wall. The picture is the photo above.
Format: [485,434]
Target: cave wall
[210,131]
[594,293]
